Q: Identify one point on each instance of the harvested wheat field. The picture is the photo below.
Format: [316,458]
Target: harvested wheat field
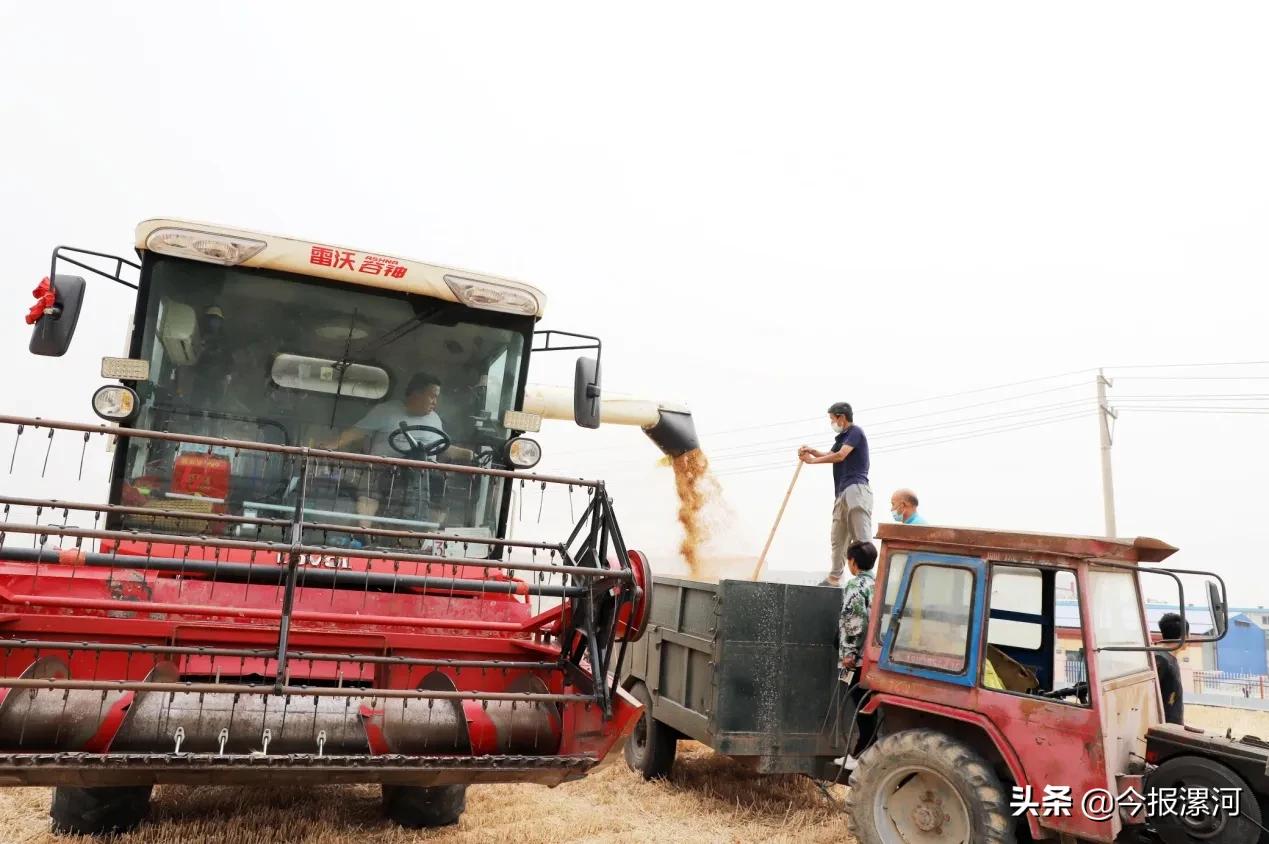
[709,799]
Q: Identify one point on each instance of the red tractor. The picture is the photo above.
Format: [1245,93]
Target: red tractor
[254,602]
[972,731]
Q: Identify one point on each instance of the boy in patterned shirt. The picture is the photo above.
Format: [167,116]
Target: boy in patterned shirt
[851,628]
[856,602]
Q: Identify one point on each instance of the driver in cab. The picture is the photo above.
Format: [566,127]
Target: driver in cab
[377,428]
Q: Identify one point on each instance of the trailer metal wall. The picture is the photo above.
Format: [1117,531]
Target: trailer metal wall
[749,669]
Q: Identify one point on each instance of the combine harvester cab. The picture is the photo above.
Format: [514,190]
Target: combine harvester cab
[249,608]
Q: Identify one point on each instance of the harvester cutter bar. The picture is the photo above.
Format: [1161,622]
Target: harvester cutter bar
[291,691]
[97,769]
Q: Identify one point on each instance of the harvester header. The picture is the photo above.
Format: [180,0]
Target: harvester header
[303,570]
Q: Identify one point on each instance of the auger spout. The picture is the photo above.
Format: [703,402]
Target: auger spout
[670,426]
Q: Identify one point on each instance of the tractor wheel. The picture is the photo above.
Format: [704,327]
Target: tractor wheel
[99,811]
[921,785]
[422,807]
[650,748]
[1179,775]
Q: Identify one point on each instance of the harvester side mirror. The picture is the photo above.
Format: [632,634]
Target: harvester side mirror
[586,393]
[55,323]
[1220,612]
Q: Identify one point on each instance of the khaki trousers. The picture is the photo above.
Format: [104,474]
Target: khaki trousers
[852,522]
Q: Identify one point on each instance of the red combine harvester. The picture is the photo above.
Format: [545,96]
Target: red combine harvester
[254,603]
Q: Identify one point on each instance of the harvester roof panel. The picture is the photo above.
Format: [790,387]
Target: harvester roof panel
[344,264]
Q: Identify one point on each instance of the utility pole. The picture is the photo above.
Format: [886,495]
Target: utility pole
[1104,415]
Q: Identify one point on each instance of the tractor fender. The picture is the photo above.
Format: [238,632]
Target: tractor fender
[964,716]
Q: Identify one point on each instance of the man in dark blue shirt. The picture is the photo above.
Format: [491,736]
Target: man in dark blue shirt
[852,498]
[1174,629]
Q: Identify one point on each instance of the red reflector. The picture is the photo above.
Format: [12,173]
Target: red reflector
[46,297]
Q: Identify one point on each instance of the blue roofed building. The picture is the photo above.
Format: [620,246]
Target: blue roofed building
[1242,651]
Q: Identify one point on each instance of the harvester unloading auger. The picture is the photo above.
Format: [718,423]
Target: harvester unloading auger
[669,426]
[249,608]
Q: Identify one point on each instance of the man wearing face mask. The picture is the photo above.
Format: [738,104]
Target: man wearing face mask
[903,508]
[852,504]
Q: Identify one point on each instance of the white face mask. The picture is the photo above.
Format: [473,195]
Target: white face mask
[838,427]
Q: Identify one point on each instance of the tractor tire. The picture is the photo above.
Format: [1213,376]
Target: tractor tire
[1185,772]
[99,811]
[922,785]
[651,746]
[424,807]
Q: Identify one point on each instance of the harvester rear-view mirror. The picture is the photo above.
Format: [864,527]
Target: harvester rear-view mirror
[1220,613]
[55,319]
[586,393]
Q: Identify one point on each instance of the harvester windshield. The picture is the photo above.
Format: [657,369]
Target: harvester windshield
[268,357]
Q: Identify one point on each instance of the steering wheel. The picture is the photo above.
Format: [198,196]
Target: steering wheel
[1079,691]
[402,441]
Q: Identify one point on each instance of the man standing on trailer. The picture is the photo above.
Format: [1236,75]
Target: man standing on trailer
[852,504]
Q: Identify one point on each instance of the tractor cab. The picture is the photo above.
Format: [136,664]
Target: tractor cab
[966,674]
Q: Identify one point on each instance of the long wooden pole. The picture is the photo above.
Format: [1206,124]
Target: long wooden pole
[762,558]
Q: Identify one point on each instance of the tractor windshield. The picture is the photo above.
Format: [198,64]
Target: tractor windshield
[279,358]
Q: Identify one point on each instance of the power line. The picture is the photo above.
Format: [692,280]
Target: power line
[1233,410]
[940,426]
[807,420]
[923,443]
[1001,387]
[1195,396]
[1192,378]
[748,451]
[744,470]
[747,447]
[872,426]
[797,438]
[910,402]
[1192,365]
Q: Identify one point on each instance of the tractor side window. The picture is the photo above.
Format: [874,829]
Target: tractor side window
[934,625]
[894,577]
[1070,664]
[1015,619]
[1117,623]
[1019,658]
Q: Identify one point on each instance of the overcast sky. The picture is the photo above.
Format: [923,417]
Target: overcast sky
[761,209]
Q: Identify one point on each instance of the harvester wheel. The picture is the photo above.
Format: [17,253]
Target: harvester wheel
[420,807]
[99,811]
[922,785]
[651,746]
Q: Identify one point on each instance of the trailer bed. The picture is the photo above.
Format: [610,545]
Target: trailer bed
[749,669]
